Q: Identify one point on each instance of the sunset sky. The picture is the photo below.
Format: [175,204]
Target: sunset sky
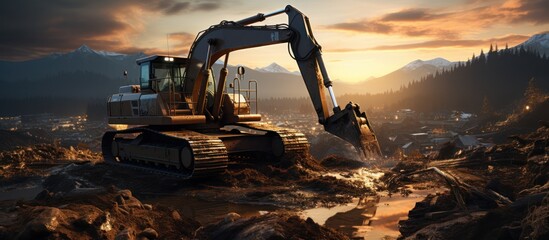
[359,38]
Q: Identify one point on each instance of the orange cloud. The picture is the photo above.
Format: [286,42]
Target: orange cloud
[511,40]
[36,28]
[180,42]
[501,41]
[448,24]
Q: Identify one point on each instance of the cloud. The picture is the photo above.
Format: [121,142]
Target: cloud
[180,42]
[514,39]
[412,14]
[449,23]
[365,26]
[33,28]
[381,27]
[536,11]
[207,6]
[175,7]
[501,41]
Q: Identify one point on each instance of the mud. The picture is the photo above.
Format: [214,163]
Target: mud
[75,195]
[91,214]
[268,226]
[52,192]
[499,192]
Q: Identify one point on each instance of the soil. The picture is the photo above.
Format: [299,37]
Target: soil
[499,192]
[81,198]
[52,192]
[268,226]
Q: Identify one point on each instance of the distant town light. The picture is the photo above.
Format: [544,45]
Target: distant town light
[396,117]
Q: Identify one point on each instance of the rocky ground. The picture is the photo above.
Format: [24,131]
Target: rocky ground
[501,192]
[84,198]
[493,193]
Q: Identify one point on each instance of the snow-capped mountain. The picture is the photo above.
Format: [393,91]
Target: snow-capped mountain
[539,42]
[414,70]
[85,49]
[83,59]
[437,62]
[274,68]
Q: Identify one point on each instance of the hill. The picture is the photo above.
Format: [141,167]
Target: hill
[412,71]
[497,80]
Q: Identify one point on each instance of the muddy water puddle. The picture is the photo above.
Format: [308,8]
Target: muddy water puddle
[206,211]
[21,193]
[374,217]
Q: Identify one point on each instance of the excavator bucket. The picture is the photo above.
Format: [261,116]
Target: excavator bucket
[352,126]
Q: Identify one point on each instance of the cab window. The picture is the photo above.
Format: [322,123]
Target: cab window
[144,77]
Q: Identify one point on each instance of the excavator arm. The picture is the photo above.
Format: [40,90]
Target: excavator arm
[348,123]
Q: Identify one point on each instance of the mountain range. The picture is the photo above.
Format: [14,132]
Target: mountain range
[87,73]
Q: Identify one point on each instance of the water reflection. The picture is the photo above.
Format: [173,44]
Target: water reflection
[374,217]
[207,211]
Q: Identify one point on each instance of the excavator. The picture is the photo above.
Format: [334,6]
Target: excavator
[188,124]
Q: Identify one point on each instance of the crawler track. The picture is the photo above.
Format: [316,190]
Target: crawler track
[209,156]
[295,142]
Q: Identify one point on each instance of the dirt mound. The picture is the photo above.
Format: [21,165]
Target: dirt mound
[9,140]
[269,226]
[497,192]
[299,178]
[337,162]
[94,214]
[522,121]
[47,153]
[21,161]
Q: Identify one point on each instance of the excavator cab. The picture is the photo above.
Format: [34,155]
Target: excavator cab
[159,73]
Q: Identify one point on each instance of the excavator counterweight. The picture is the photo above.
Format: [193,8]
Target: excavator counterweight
[191,124]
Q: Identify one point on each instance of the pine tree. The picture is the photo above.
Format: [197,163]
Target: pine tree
[482,57]
[486,109]
[532,94]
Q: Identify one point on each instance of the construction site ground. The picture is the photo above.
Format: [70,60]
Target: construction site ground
[53,192]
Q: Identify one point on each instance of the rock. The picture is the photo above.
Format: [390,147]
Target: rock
[176,216]
[126,194]
[133,203]
[45,194]
[44,224]
[104,222]
[148,206]
[120,200]
[149,233]
[120,209]
[126,234]
[86,220]
[231,217]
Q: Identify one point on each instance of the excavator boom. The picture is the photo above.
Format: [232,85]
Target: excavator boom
[348,123]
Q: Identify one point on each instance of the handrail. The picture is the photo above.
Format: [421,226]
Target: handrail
[249,91]
[171,102]
[236,80]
